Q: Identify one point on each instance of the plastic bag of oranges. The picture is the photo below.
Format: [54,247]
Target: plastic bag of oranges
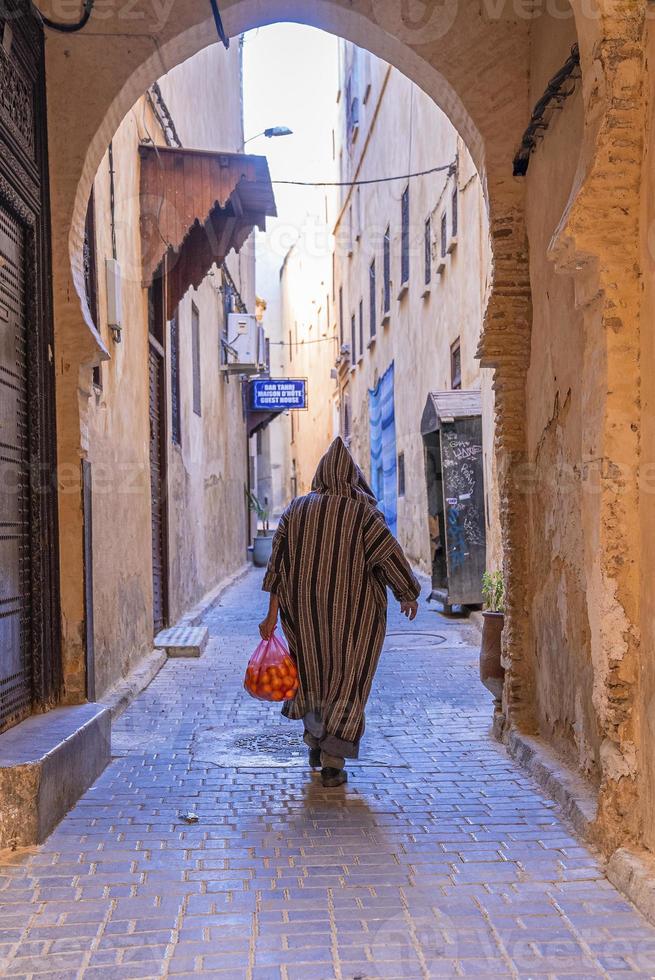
[271,674]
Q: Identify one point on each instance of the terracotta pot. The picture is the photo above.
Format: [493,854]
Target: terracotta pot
[492,672]
[263,545]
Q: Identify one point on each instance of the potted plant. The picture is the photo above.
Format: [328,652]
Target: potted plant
[263,542]
[492,672]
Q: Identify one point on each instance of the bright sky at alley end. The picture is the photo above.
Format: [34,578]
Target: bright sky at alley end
[290,79]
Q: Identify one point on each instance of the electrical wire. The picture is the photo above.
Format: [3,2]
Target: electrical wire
[302,343]
[68,28]
[219,24]
[360,183]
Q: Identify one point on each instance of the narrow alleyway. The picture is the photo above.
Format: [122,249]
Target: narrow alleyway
[439,859]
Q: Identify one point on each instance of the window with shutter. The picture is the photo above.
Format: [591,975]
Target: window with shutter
[361,327]
[341,336]
[372,299]
[91,275]
[228,307]
[195,356]
[176,419]
[347,421]
[427,251]
[386,271]
[456,365]
[404,263]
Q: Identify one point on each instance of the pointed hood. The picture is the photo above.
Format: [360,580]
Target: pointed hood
[338,473]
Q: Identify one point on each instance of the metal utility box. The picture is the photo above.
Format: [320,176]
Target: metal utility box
[452,438]
[245,347]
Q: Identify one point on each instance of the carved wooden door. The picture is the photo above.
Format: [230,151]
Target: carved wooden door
[15,557]
[157,477]
[158,457]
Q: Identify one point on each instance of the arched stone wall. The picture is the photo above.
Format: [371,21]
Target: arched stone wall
[474,67]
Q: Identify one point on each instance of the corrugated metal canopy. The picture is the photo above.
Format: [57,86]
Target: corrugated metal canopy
[196,207]
[445,406]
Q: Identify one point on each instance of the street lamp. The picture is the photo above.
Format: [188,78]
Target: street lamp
[271,132]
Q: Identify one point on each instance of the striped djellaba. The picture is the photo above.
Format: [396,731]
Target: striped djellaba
[333,558]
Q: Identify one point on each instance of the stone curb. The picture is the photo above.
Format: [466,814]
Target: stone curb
[561,784]
[633,873]
[207,603]
[121,695]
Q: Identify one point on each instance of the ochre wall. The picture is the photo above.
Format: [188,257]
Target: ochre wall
[646,755]
[118,434]
[554,495]
[207,472]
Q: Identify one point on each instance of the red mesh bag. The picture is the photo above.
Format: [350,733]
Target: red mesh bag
[271,674]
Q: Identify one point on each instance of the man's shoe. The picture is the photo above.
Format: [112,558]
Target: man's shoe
[333,777]
[315,758]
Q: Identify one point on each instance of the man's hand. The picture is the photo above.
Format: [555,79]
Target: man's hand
[267,627]
[409,609]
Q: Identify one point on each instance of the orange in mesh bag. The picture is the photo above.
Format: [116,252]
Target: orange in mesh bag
[271,674]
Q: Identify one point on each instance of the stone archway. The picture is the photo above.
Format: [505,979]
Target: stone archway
[473,58]
[442,53]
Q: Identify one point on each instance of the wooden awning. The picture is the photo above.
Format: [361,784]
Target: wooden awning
[448,405]
[196,207]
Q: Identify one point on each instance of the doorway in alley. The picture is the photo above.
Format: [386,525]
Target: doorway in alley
[157,413]
[29,661]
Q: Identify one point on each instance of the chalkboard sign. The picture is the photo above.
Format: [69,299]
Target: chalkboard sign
[463,491]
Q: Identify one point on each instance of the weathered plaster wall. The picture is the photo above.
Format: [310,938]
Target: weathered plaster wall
[647,474]
[118,434]
[554,494]
[207,472]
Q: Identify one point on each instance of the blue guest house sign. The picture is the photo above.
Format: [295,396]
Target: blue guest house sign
[278,394]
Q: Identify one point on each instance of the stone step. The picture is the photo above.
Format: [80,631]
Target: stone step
[46,763]
[183,641]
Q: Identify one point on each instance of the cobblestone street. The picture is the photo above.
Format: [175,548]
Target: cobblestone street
[439,859]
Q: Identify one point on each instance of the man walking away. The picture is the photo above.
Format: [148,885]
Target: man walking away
[333,558]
